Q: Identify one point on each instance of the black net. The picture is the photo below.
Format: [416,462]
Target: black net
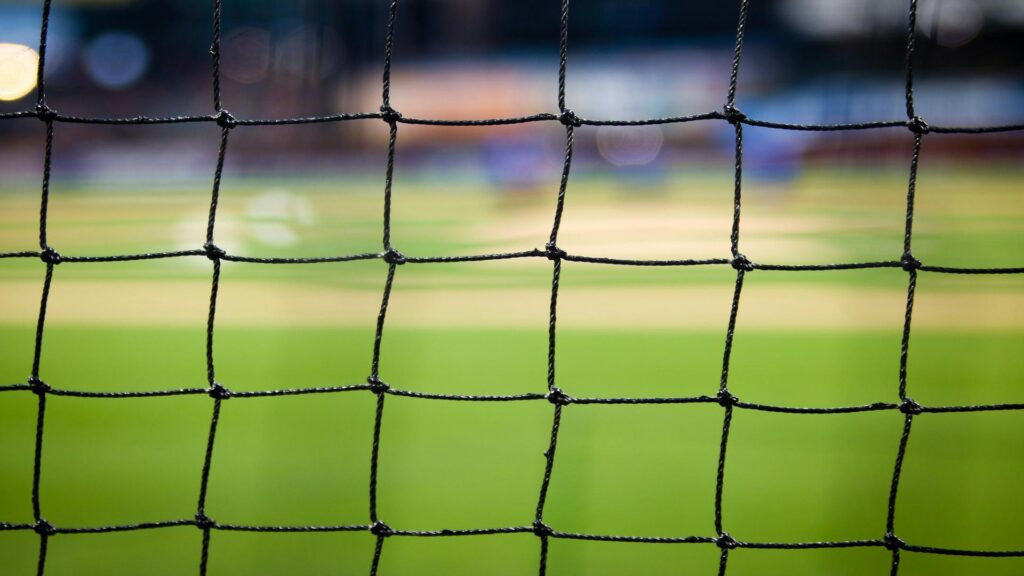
[888,535]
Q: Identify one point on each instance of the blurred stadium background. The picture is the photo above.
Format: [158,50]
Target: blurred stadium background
[821,339]
[829,61]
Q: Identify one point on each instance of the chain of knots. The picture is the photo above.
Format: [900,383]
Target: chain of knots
[726,542]
[917,125]
[542,529]
[379,528]
[218,391]
[44,528]
[205,522]
[724,398]
[569,118]
[389,114]
[733,115]
[226,120]
[908,262]
[51,256]
[45,113]
[392,256]
[893,542]
[214,252]
[553,252]
[38,386]
[908,406]
[377,386]
[557,397]
[740,262]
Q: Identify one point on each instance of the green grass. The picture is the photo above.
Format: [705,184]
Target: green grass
[637,470]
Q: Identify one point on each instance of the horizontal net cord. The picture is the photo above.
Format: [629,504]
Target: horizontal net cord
[545,531]
[400,258]
[916,126]
[559,397]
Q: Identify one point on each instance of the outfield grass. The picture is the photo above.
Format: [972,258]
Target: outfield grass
[809,339]
[642,470]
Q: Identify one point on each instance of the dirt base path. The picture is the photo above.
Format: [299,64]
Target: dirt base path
[775,307]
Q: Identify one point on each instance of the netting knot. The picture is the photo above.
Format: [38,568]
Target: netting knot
[51,256]
[893,542]
[917,125]
[740,262]
[553,252]
[393,256]
[542,529]
[557,397]
[908,406]
[377,386]
[218,391]
[204,522]
[214,252]
[389,114]
[908,262]
[733,115]
[726,542]
[569,118]
[226,120]
[45,113]
[379,528]
[726,399]
[44,528]
[38,386]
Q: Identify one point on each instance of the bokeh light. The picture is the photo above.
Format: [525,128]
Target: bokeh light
[951,23]
[247,55]
[18,65]
[630,145]
[307,52]
[116,60]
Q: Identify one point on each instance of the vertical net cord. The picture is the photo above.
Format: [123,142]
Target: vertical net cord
[910,264]
[42,527]
[555,254]
[51,258]
[217,392]
[393,258]
[742,266]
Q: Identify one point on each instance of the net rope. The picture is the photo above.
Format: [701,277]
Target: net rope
[888,539]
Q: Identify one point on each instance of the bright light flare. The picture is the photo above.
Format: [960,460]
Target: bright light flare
[630,145]
[18,66]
